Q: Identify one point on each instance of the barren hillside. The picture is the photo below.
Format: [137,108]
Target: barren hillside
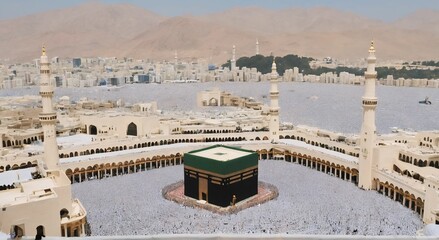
[97,29]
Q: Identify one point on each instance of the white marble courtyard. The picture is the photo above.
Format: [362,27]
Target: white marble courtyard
[309,202]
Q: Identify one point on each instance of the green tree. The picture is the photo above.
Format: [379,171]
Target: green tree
[263,64]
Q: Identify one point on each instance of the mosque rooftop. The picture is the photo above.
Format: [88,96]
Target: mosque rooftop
[221,153]
[16,176]
[31,190]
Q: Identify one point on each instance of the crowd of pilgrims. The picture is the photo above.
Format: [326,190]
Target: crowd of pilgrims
[309,202]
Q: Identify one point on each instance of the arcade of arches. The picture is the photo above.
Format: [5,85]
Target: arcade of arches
[99,171]
[418,162]
[398,194]
[194,140]
[318,144]
[149,144]
[16,166]
[19,142]
[345,173]
[132,131]
[73,228]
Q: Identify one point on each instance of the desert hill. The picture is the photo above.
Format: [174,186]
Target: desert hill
[90,29]
[123,30]
[426,20]
[291,20]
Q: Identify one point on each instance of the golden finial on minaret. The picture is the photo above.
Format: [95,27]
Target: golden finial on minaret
[372,48]
[44,50]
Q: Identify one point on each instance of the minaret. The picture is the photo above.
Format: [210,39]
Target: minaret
[48,115]
[175,57]
[257,47]
[368,129]
[233,61]
[274,105]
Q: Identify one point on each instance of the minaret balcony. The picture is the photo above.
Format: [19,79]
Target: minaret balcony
[47,117]
[370,102]
[46,94]
[369,75]
[274,111]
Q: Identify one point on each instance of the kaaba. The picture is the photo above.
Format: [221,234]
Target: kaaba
[221,175]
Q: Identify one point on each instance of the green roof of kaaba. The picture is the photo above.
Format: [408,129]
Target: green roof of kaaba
[221,159]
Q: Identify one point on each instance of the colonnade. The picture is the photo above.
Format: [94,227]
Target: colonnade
[400,195]
[75,229]
[319,144]
[148,144]
[8,167]
[418,162]
[103,170]
[337,170]
[20,142]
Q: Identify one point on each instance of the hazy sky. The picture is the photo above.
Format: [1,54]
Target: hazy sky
[387,10]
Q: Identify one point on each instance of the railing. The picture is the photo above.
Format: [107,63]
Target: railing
[242,237]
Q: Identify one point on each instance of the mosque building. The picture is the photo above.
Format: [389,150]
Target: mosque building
[403,167]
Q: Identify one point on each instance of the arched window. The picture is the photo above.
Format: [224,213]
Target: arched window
[63,213]
[213,102]
[40,231]
[132,129]
[17,231]
[92,130]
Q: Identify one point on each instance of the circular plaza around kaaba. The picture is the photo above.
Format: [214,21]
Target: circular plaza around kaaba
[309,202]
[175,192]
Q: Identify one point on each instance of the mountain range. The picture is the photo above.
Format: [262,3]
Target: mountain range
[122,30]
